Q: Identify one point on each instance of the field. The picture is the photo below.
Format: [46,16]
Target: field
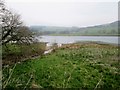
[81,65]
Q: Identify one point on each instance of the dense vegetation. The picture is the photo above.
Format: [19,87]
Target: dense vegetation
[82,65]
[12,53]
[106,29]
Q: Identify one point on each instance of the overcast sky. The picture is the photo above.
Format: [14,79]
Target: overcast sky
[65,13]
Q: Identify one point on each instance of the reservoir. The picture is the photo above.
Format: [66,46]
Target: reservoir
[73,39]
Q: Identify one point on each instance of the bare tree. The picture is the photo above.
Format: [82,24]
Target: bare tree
[12,28]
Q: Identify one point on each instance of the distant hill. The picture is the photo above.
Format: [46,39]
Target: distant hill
[105,29]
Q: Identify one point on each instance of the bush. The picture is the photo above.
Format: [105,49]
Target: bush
[15,52]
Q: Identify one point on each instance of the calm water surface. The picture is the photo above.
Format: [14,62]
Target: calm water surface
[72,39]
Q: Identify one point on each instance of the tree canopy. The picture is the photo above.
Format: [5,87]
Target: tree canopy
[12,28]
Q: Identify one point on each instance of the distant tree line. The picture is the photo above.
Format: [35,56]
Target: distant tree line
[107,29]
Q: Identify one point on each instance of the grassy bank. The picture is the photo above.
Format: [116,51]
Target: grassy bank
[84,65]
[12,53]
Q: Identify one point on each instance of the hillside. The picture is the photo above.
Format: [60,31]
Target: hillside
[87,66]
[105,29]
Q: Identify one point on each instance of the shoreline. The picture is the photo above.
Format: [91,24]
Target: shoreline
[69,45]
[82,35]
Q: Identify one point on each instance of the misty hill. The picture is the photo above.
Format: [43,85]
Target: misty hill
[105,29]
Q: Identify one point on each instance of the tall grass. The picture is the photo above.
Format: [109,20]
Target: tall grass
[84,66]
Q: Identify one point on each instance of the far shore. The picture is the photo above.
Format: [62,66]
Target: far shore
[76,35]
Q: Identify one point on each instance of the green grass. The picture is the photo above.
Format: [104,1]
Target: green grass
[15,52]
[88,66]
